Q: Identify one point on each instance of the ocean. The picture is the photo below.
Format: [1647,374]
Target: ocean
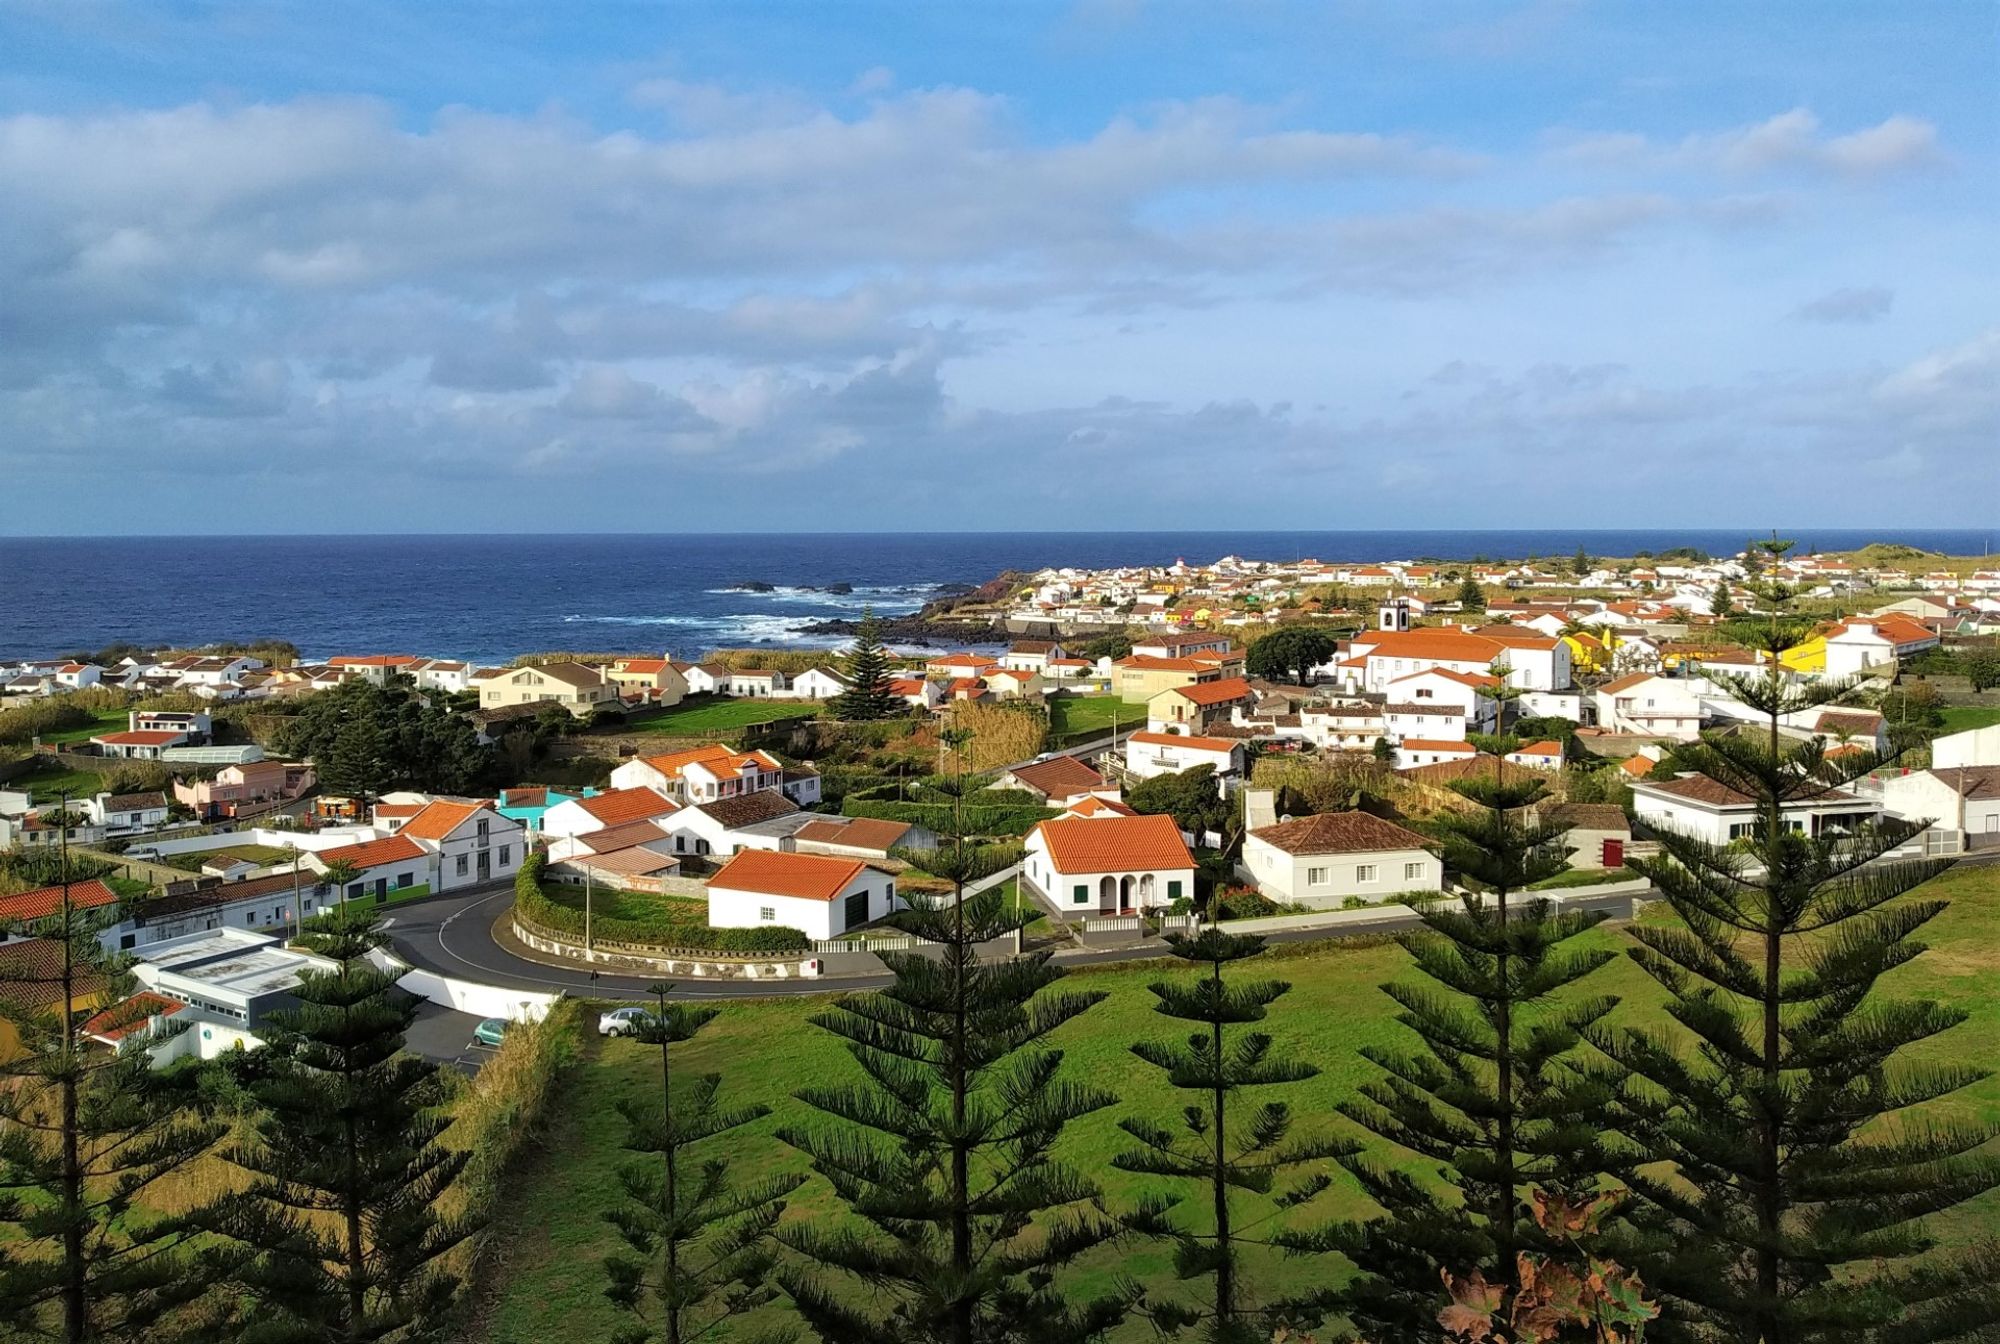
[487,598]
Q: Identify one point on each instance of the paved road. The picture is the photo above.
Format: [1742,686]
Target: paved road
[453,935]
[445,1035]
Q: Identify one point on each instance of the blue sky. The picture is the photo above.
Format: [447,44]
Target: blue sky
[1112,263]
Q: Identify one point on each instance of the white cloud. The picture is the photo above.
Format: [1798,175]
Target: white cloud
[1869,303]
[1789,140]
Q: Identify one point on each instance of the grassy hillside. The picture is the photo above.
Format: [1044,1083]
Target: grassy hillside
[552,1284]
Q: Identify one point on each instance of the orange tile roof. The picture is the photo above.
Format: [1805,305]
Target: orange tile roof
[1114,844]
[1549,748]
[1438,744]
[810,877]
[372,660]
[121,1019]
[1443,645]
[439,819]
[1452,674]
[399,809]
[1636,766]
[373,853]
[1627,682]
[1058,775]
[1215,692]
[620,805]
[671,763]
[648,666]
[1094,806]
[907,686]
[1144,662]
[861,832]
[142,737]
[45,901]
[1182,740]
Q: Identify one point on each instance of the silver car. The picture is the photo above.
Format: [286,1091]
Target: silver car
[622,1021]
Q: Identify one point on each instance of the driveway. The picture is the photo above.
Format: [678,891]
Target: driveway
[445,1035]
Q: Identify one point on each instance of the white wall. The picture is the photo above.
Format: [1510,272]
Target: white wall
[1975,746]
[1286,877]
[516,1005]
[731,909]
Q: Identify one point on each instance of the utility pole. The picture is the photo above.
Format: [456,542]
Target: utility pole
[587,950]
[298,910]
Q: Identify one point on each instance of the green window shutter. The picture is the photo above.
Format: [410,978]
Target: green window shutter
[1079,893]
[1173,891]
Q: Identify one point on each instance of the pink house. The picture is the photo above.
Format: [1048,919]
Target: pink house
[239,788]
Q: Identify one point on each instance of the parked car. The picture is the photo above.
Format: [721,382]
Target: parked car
[622,1021]
[490,1032]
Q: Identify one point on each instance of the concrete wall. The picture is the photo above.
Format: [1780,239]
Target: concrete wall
[516,1005]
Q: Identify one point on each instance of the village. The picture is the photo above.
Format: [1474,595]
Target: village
[1167,750]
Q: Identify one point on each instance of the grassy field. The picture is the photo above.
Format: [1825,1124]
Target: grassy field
[629,904]
[1960,718]
[715,716]
[104,721]
[48,786]
[1079,718]
[553,1286]
[262,855]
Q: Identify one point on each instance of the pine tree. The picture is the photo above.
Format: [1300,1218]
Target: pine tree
[1234,1158]
[1583,563]
[1494,1094]
[1800,1174]
[346,1166]
[85,1137]
[943,1153]
[866,666]
[1471,597]
[700,1245]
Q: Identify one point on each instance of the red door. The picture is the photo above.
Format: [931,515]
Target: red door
[1614,852]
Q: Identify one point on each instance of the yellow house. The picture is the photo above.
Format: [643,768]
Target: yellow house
[1591,653]
[1807,657]
[30,981]
[1140,678]
[577,688]
[656,678]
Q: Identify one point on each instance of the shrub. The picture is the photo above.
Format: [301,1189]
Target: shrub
[1013,819]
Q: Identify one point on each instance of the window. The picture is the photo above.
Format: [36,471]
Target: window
[1413,871]
[1364,872]
[462,865]
[1174,890]
[1079,894]
[1315,877]
[250,918]
[767,913]
[404,879]
[506,855]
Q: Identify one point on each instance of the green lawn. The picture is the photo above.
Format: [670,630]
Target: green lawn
[718,715]
[615,904]
[1959,718]
[1079,718]
[48,786]
[552,1286]
[261,855]
[106,721]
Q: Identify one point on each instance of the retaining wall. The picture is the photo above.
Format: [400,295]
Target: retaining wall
[667,961]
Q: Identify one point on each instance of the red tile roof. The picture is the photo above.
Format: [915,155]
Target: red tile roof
[860,832]
[1059,776]
[143,737]
[1114,844]
[1438,744]
[1548,748]
[374,853]
[45,901]
[811,877]
[1094,806]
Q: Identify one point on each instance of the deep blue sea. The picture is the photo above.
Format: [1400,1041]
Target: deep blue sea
[487,598]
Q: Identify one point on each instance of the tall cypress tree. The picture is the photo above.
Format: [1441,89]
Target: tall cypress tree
[943,1152]
[85,1137]
[700,1252]
[1237,1159]
[346,1166]
[1791,1213]
[1493,1094]
[866,666]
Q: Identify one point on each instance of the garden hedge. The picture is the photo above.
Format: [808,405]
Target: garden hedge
[533,904]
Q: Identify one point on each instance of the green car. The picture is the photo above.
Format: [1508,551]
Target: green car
[490,1032]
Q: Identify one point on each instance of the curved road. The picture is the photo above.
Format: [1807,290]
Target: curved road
[453,935]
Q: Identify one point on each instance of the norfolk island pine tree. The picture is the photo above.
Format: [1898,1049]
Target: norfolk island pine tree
[1800,1175]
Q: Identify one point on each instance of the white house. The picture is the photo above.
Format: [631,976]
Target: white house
[705,678]
[1324,860]
[1058,780]
[1533,662]
[579,816]
[76,676]
[1863,642]
[1962,801]
[1974,746]
[650,835]
[1429,722]
[1412,752]
[1149,754]
[763,820]
[141,744]
[756,683]
[919,692]
[818,683]
[1699,806]
[1182,644]
[1467,692]
[1031,655]
[1343,727]
[123,813]
[1546,755]
[470,843]
[1012,684]
[394,863]
[821,895]
[702,774]
[1649,704]
[1108,865]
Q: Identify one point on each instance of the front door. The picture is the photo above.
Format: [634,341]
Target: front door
[485,865]
[856,913]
